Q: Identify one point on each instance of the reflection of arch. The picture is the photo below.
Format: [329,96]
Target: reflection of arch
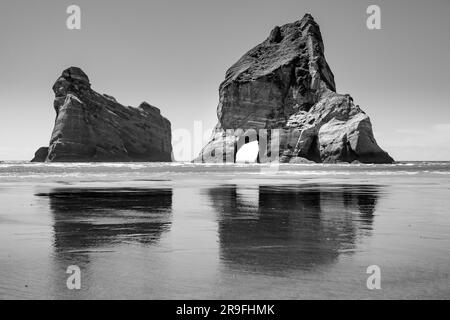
[95,217]
[291,226]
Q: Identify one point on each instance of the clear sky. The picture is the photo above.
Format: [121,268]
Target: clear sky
[174,55]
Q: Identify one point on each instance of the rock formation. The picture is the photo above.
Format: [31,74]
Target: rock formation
[91,127]
[40,155]
[285,83]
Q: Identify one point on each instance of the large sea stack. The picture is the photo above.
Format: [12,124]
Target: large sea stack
[285,83]
[91,127]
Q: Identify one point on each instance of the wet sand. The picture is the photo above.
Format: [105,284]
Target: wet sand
[212,233]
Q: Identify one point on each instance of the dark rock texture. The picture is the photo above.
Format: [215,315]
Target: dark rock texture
[285,83]
[91,127]
[40,155]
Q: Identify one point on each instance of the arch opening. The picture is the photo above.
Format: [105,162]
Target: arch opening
[248,153]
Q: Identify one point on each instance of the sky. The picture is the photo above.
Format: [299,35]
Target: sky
[174,55]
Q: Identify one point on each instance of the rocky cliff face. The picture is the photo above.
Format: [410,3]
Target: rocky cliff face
[93,127]
[285,87]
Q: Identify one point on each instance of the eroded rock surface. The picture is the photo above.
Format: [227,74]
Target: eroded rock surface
[40,155]
[285,83]
[93,127]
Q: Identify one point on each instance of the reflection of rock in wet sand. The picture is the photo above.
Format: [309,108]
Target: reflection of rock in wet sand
[91,218]
[292,226]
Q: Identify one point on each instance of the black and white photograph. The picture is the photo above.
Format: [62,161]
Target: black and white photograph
[202,151]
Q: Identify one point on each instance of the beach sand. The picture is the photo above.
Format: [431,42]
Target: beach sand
[189,231]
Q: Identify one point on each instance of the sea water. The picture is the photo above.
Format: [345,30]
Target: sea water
[213,231]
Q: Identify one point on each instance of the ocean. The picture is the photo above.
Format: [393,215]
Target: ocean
[236,231]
